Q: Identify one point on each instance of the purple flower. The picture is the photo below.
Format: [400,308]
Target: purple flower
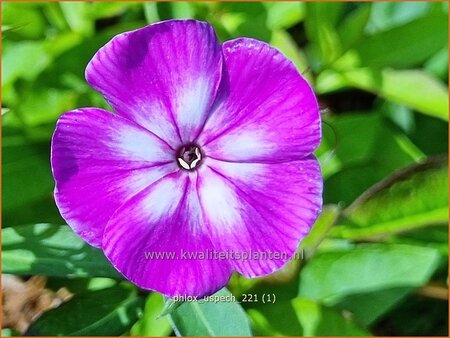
[209,150]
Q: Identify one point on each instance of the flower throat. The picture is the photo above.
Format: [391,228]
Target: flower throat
[189,157]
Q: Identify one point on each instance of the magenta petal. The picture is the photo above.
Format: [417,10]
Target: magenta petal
[164,219]
[164,76]
[260,208]
[265,110]
[100,160]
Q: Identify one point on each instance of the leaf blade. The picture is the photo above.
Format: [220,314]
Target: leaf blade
[398,197]
[224,318]
[51,250]
[111,311]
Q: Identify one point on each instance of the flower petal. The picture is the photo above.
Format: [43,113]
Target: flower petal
[99,160]
[261,208]
[163,76]
[265,110]
[165,219]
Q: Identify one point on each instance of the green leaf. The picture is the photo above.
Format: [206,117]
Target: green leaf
[209,318]
[419,316]
[41,106]
[63,42]
[437,65]
[246,19]
[151,323]
[387,15]
[100,10]
[435,237]
[414,88]
[368,281]
[284,14]
[51,250]
[320,22]
[28,59]
[107,312]
[26,173]
[319,320]
[405,46]
[28,23]
[324,222]
[42,210]
[24,59]
[6,28]
[331,276]
[151,12]
[77,15]
[411,198]
[367,149]
[367,307]
[302,317]
[278,319]
[352,28]
[430,135]
[81,285]
[170,305]
[182,10]
[401,115]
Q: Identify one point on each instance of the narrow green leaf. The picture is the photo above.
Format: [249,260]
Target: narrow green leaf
[320,229]
[208,318]
[169,306]
[51,250]
[352,28]
[411,198]
[26,22]
[55,16]
[151,12]
[107,312]
[77,15]
[320,22]
[182,10]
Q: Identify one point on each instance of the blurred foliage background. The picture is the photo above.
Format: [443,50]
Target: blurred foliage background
[376,261]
